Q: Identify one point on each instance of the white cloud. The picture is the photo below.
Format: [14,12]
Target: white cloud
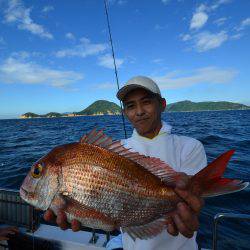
[185,37]
[220,21]
[208,8]
[165,1]
[206,40]
[17,14]
[159,27]
[70,36]
[219,3]
[236,36]
[208,75]
[83,49]
[22,72]
[119,2]
[21,55]
[244,24]
[198,20]
[202,8]
[200,16]
[157,60]
[104,86]
[47,8]
[107,61]
[2,41]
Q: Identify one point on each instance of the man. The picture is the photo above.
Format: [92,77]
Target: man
[143,105]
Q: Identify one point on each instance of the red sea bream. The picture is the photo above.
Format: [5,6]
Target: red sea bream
[105,186]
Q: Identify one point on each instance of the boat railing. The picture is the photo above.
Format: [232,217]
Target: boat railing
[15,211]
[220,216]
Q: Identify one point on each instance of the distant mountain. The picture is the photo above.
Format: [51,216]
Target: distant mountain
[33,115]
[202,106]
[29,115]
[101,107]
[53,114]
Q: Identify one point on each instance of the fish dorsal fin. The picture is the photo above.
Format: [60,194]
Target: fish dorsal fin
[97,138]
[160,169]
[146,231]
[154,165]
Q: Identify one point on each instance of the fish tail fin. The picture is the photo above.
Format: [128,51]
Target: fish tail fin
[209,182]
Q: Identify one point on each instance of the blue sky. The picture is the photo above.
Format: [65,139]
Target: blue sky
[55,55]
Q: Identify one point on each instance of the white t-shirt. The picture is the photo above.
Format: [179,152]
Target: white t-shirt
[183,154]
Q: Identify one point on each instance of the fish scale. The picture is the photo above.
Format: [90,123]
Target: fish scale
[118,212]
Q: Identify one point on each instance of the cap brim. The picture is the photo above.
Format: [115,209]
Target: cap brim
[126,89]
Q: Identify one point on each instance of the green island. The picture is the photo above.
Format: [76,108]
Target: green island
[189,106]
[100,107]
[103,107]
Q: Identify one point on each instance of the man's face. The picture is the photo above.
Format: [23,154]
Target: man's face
[144,112]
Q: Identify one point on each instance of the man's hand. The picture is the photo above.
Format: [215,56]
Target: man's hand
[61,220]
[184,219]
[5,232]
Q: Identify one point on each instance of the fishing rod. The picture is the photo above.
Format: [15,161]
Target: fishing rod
[117,83]
[114,61]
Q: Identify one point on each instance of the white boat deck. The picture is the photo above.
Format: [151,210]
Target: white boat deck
[67,239]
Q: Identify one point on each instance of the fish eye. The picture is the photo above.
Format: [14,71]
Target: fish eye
[37,171]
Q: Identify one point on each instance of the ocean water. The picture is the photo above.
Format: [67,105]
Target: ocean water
[22,142]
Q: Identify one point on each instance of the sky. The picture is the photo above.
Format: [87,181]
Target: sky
[55,55]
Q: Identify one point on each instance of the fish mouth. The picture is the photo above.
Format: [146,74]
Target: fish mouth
[24,193]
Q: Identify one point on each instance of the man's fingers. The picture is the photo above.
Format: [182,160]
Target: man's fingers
[183,229]
[11,230]
[171,228]
[188,217]
[75,225]
[49,216]
[192,200]
[61,220]
[183,181]
[15,229]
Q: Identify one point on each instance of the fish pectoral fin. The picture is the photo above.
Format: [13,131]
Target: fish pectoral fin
[58,203]
[88,216]
[146,231]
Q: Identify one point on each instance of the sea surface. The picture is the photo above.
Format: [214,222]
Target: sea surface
[23,141]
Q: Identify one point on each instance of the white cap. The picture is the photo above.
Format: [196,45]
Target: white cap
[138,82]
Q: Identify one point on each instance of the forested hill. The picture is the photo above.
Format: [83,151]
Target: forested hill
[33,115]
[101,107]
[202,106]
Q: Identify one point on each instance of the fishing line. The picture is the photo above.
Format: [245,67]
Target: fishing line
[113,55]
[33,236]
[118,87]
